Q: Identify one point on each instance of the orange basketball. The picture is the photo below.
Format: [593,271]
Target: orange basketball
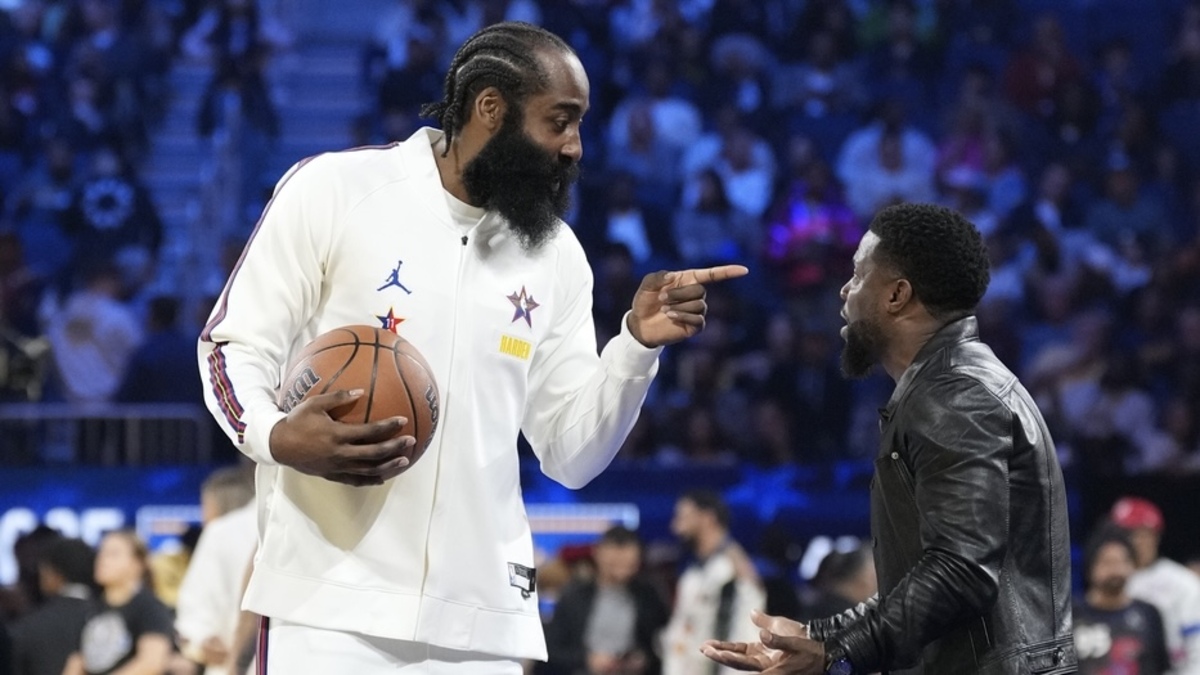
[395,379]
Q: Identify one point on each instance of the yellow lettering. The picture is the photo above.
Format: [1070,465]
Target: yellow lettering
[515,347]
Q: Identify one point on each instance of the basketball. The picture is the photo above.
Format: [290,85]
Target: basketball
[395,379]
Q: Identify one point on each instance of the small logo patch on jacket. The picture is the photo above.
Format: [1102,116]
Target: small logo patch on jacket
[522,578]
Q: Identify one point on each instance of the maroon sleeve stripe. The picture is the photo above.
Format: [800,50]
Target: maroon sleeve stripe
[222,389]
[264,628]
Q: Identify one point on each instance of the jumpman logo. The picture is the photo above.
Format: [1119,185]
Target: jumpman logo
[394,280]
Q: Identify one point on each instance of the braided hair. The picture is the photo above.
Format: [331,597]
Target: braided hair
[504,56]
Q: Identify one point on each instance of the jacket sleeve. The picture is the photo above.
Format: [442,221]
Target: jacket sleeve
[958,444]
[582,406]
[822,629]
[272,292]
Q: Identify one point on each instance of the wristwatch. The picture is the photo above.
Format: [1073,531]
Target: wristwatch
[836,662]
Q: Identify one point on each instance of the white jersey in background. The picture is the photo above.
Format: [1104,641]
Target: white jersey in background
[210,596]
[441,554]
[1175,591]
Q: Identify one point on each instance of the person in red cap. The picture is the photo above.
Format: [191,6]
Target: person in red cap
[1162,582]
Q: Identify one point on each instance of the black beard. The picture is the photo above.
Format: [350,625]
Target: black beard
[864,347]
[1111,585]
[518,179]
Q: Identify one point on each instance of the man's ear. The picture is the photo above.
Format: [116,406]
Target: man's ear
[900,295]
[489,110]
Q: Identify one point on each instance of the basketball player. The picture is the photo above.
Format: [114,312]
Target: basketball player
[452,239]
[968,509]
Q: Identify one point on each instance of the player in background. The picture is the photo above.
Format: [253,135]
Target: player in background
[453,240]
[1115,633]
[1162,582]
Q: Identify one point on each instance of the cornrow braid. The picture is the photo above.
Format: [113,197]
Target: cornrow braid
[504,56]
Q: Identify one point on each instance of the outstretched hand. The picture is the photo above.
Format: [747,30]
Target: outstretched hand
[669,306]
[784,649]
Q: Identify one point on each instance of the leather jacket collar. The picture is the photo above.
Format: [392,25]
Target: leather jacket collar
[961,330]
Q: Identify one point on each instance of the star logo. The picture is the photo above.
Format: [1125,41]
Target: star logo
[390,321]
[525,305]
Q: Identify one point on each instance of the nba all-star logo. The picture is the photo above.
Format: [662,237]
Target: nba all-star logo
[524,304]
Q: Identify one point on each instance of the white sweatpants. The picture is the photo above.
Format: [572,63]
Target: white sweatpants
[293,649]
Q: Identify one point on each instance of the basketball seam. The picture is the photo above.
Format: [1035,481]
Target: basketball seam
[432,381]
[349,360]
[374,376]
[412,402]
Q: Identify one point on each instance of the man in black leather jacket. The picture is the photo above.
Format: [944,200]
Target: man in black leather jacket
[968,509]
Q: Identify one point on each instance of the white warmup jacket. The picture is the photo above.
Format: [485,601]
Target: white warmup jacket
[366,237]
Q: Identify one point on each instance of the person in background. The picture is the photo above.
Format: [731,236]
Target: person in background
[130,629]
[607,625]
[45,638]
[842,581]
[717,591]
[1115,633]
[162,369]
[210,596]
[1162,582]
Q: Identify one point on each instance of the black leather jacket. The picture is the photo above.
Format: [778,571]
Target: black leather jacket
[969,524]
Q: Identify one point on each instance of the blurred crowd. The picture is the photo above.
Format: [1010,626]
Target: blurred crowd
[83,84]
[616,605]
[762,132]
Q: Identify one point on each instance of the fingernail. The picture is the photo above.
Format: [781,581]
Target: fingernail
[403,462]
[673,315]
[356,392]
[662,297]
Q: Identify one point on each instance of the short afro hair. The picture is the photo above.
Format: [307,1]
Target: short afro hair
[938,251]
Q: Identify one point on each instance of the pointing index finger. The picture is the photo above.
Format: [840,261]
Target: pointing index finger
[719,273]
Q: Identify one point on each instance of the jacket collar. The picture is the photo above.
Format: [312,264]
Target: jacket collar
[418,153]
[956,332]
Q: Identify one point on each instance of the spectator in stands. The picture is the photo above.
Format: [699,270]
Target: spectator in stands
[819,399]
[716,592]
[646,156]
[608,624]
[128,626]
[708,229]
[111,211]
[92,337]
[38,206]
[811,232]
[20,288]
[210,596]
[1162,582]
[676,120]
[1038,72]
[45,638]
[1129,221]
[1181,77]
[741,158]
[890,177]
[862,156]
[1113,631]
[823,84]
[843,580]
[162,369]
